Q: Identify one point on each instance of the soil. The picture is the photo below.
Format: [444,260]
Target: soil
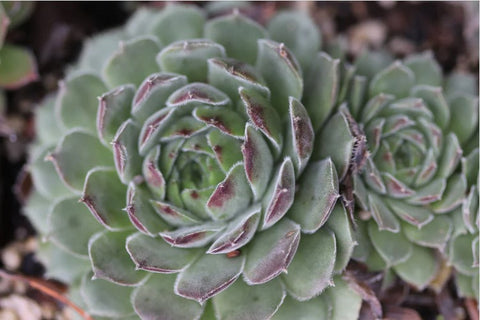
[55,33]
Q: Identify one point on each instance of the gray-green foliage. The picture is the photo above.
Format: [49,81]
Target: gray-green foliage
[188,142]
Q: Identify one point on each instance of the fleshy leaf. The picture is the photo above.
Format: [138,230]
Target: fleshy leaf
[153,93]
[300,137]
[77,103]
[280,195]
[113,110]
[228,75]
[106,207]
[258,161]
[336,141]
[281,71]
[72,164]
[173,215]
[221,118]
[36,210]
[321,88]
[152,174]
[125,151]
[65,219]
[155,255]
[110,260]
[298,32]
[245,31]
[314,309]
[242,301]
[263,116]
[339,223]
[193,237]
[316,196]
[435,101]
[415,215]
[461,255]
[395,79]
[104,298]
[312,256]
[419,269]
[465,119]
[344,301]
[428,193]
[195,201]
[227,149]
[238,233]
[124,66]
[394,248]
[187,21]
[453,195]
[271,252]
[189,57]
[382,214]
[451,155]
[140,211]
[155,299]
[231,196]
[199,283]
[17,67]
[46,180]
[197,94]
[426,69]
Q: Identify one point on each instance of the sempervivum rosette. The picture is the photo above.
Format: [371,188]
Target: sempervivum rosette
[404,132]
[195,166]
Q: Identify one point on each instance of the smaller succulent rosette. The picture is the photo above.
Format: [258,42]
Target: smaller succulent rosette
[199,197]
[404,128]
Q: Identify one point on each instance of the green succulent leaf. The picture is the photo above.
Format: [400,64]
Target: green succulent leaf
[255,302]
[104,298]
[272,252]
[281,71]
[298,32]
[419,269]
[123,68]
[310,256]
[155,297]
[110,260]
[198,283]
[17,66]
[65,217]
[316,197]
[235,26]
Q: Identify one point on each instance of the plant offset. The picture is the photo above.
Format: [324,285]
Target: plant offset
[194,168]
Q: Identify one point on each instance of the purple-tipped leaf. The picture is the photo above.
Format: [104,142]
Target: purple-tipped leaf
[113,110]
[239,232]
[280,195]
[72,163]
[258,161]
[199,283]
[299,143]
[156,255]
[193,237]
[140,211]
[271,252]
[106,207]
[231,196]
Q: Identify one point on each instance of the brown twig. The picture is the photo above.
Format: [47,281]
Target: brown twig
[44,286]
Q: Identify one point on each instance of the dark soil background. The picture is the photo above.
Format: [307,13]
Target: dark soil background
[55,33]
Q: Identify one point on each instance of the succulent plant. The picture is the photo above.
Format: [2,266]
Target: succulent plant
[199,197]
[17,64]
[404,125]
